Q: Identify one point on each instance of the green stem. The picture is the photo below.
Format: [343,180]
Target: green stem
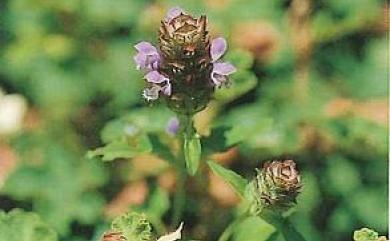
[228,232]
[180,194]
[282,224]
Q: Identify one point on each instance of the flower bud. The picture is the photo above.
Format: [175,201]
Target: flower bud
[276,186]
[186,66]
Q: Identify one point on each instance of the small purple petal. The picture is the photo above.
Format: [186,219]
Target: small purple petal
[218,79]
[155,77]
[146,48]
[151,93]
[173,13]
[154,64]
[220,73]
[167,89]
[140,61]
[173,126]
[218,48]
[147,57]
[224,68]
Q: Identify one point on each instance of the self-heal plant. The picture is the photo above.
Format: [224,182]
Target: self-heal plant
[185,69]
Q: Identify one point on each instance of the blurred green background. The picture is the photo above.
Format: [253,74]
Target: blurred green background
[311,86]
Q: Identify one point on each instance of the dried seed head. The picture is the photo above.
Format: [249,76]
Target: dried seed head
[276,186]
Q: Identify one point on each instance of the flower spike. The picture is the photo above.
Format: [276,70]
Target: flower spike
[186,66]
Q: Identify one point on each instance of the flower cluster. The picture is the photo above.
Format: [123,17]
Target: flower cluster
[276,186]
[186,66]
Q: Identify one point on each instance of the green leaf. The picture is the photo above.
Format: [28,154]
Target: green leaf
[161,149]
[217,140]
[254,229]
[18,225]
[158,203]
[243,80]
[134,227]
[237,182]
[122,149]
[192,153]
[283,225]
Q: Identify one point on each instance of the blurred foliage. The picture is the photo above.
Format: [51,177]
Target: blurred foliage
[72,62]
[23,226]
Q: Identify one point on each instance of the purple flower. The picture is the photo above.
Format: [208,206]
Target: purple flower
[173,13]
[221,70]
[147,57]
[218,48]
[173,126]
[220,73]
[155,78]
[151,93]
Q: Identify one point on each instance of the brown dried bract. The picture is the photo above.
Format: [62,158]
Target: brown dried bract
[113,236]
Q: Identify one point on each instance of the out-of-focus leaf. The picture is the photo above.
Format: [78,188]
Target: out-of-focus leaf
[242,81]
[217,141]
[342,175]
[122,149]
[254,229]
[161,149]
[18,225]
[60,187]
[237,182]
[283,225]
[370,206]
[255,128]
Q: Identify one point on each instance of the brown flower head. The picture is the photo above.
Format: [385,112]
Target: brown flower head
[276,185]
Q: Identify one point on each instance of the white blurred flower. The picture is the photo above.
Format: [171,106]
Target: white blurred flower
[12,110]
[172,236]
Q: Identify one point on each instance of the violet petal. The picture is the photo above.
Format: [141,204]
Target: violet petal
[140,60]
[167,89]
[218,79]
[173,126]
[173,13]
[146,48]
[218,48]
[155,77]
[224,68]
[220,73]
